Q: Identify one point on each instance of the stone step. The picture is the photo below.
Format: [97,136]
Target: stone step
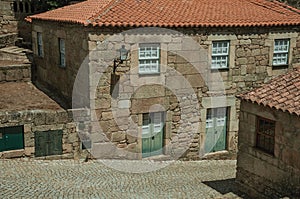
[14,53]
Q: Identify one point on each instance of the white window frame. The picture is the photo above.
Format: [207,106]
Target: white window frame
[40,51]
[281,52]
[62,52]
[149,58]
[220,54]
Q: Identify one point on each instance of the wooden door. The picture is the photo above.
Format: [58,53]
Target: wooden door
[216,130]
[152,134]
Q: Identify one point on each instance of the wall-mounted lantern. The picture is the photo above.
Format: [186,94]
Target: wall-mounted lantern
[122,57]
[114,87]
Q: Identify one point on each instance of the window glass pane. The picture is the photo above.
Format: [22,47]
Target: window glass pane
[149,58]
[281,46]
[209,123]
[265,135]
[221,121]
[145,129]
[220,48]
[62,45]
[220,52]
[62,60]
[157,120]
[39,44]
[280,58]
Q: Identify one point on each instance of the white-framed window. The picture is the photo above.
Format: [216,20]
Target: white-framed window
[62,57]
[281,52]
[149,58]
[220,54]
[40,52]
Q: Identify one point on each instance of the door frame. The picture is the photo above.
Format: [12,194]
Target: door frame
[215,114]
[231,102]
[140,140]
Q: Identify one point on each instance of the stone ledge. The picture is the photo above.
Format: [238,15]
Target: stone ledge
[12,154]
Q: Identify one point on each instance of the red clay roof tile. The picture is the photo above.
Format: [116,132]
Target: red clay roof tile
[175,13]
[282,93]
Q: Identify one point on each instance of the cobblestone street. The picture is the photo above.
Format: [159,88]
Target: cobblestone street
[70,179]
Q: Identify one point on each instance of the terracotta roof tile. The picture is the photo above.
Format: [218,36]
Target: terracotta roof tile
[77,13]
[282,93]
[175,13]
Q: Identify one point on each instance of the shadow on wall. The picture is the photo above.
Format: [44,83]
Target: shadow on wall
[227,187]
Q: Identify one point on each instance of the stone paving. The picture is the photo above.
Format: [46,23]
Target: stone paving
[25,178]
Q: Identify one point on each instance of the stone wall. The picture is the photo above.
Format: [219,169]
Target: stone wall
[73,123]
[263,175]
[8,22]
[60,79]
[250,64]
[15,73]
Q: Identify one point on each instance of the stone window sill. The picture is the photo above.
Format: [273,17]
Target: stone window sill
[279,67]
[219,69]
[260,151]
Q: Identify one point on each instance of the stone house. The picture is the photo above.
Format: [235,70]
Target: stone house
[31,123]
[174,93]
[268,163]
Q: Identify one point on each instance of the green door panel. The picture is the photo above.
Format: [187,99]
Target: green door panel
[215,137]
[157,143]
[146,147]
[220,138]
[152,142]
[40,138]
[12,138]
[209,140]
[2,140]
[55,147]
[48,143]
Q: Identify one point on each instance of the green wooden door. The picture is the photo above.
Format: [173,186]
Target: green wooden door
[216,130]
[11,138]
[48,143]
[152,134]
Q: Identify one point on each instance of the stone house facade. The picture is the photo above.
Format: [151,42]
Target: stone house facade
[174,94]
[268,163]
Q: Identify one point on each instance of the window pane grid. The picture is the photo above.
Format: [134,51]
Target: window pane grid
[220,52]
[149,59]
[281,51]
[40,44]
[62,52]
[265,135]
[281,46]
[220,48]
[219,61]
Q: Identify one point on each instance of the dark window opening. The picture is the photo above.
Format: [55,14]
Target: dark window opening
[32,8]
[265,135]
[15,5]
[21,7]
[26,7]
